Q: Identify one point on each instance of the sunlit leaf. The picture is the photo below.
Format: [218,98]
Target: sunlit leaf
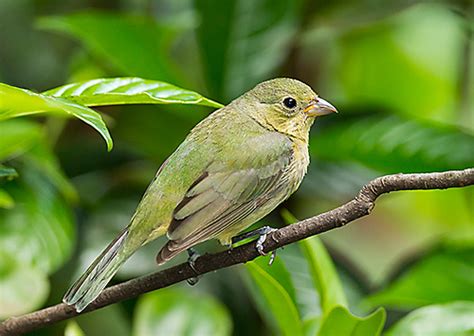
[453,319]
[16,102]
[393,145]
[340,321]
[135,45]
[445,275]
[242,42]
[73,329]
[397,63]
[23,287]
[6,201]
[180,312]
[128,90]
[284,315]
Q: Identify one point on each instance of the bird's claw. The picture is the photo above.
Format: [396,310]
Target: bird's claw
[261,239]
[192,257]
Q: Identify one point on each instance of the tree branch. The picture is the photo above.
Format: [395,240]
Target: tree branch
[360,206]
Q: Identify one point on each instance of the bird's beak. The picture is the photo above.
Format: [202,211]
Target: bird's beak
[319,107]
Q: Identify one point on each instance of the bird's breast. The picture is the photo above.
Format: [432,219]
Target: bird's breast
[298,166]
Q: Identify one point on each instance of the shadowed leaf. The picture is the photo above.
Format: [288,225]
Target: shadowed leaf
[393,145]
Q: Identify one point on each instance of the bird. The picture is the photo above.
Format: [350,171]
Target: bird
[233,168]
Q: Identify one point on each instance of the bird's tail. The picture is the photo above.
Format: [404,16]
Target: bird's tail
[100,272]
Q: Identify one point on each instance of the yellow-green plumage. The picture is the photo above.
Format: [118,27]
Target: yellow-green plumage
[234,168]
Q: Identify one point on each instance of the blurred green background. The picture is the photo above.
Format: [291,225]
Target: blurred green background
[401,73]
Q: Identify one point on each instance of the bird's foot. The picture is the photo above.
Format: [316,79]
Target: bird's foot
[192,257]
[262,234]
[261,239]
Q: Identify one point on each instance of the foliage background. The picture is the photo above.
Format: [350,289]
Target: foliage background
[401,73]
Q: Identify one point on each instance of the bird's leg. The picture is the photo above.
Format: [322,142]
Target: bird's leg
[192,256]
[262,234]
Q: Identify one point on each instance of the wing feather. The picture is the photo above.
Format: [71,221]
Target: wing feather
[223,197]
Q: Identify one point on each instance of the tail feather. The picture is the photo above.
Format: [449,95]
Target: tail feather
[170,250]
[88,287]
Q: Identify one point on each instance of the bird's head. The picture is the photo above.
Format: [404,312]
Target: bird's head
[286,105]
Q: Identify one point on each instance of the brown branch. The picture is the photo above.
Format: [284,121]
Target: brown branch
[360,206]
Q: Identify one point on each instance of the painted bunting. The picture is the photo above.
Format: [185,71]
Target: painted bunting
[234,167]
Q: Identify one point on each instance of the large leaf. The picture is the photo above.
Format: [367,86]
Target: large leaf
[281,309]
[324,274]
[39,230]
[25,139]
[128,90]
[180,312]
[22,287]
[16,102]
[392,144]
[18,136]
[136,46]
[446,275]
[242,42]
[307,297]
[453,319]
[397,63]
[41,158]
[340,321]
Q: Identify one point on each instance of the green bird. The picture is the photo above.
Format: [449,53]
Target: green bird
[235,167]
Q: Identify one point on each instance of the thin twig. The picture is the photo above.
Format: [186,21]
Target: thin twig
[360,206]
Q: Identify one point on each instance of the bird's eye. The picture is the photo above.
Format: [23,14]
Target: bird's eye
[289,102]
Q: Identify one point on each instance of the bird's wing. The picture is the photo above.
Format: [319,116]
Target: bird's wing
[227,192]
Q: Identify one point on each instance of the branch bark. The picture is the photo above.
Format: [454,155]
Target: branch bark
[358,207]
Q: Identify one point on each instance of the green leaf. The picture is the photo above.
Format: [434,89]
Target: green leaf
[128,90]
[307,297]
[180,312]
[18,136]
[408,73]
[392,144]
[6,201]
[110,320]
[73,329]
[23,288]
[136,46]
[443,276]
[39,230]
[7,173]
[242,42]
[41,158]
[324,274]
[16,102]
[340,321]
[277,270]
[282,309]
[453,319]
